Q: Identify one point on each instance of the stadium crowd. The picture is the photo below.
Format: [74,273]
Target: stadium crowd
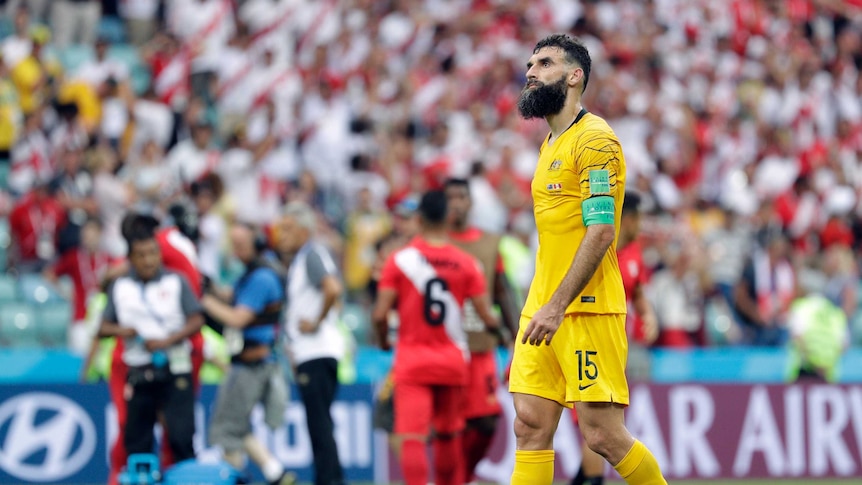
[741,123]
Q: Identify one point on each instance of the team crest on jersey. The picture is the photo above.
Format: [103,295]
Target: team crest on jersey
[555,187]
[555,165]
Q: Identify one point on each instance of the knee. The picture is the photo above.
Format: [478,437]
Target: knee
[485,425]
[532,431]
[599,439]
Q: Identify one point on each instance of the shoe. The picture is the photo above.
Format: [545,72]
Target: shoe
[286,478]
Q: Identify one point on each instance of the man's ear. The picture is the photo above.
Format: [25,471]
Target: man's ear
[576,77]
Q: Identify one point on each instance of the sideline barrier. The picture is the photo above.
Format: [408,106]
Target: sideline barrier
[58,433]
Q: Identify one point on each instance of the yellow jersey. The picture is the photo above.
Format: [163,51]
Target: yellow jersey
[561,183]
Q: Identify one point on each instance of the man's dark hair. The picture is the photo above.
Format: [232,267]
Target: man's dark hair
[631,203]
[138,227]
[432,207]
[575,51]
[457,182]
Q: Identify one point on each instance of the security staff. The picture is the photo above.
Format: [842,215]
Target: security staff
[155,312]
[250,330]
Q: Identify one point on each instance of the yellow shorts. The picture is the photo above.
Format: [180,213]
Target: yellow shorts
[586,361]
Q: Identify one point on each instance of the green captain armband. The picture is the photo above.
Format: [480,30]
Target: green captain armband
[598,210]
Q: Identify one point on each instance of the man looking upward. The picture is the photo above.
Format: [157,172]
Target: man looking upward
[577,292]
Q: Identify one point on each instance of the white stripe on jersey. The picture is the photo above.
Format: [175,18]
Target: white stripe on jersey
[416,268]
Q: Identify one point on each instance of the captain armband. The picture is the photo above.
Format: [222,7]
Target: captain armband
[598,210]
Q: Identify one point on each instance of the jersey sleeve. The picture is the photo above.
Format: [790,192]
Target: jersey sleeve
[600,151]
[66,264]
[389,276]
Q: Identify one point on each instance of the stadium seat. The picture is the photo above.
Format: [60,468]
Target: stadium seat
[8,289]
[139,73]
[5,167]
[357,320]
[53,320]
[74,55]
[112,29]
[5,242]
[34,289]
[18,325]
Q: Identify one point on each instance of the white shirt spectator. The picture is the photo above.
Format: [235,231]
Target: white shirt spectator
[189,163]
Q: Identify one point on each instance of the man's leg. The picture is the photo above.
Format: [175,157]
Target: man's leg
[318,381]
[413,411]
[478,435]
[141,418]
[179,413]
[448,426]
[536,420]
[592,469]
[482,410]
[603,428]
[116,388]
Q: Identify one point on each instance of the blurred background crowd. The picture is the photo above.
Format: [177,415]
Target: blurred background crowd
[741,122]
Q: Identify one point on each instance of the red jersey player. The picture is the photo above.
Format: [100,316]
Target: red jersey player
[641,323]
[429,280]
[178,255]
[481,407]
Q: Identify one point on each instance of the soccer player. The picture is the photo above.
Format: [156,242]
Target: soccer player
[571,348]
[481,407]
[430,280]
[641,323]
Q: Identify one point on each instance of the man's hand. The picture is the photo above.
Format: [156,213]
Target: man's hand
[127,332]
[650,328]
[307,326]
[543,326]
[158,344]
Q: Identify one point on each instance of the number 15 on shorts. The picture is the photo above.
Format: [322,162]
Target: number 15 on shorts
[586,366]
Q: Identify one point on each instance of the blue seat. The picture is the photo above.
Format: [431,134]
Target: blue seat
[34,289]
[8,289]
[5,168]
[139,73]
[18,325]
[53,320]
[112,29]
[73,56]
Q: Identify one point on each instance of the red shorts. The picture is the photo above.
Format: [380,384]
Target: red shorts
[419,406]
[480,396]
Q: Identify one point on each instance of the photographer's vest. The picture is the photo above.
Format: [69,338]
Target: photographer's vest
[264,328]
[486,251]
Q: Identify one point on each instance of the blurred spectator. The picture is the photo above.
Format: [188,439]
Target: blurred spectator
[35,223]
[641,323]
[151,178]
[140,17]
[34,73]
[678,293]
[766,289]
[11,118]
[842,279]
[75,21]
[727,247]
[193,158]
[113,197]
[31,157]
[87,265]
[18,46]
[101,69]
[366,225]
[75,185]
[205,194]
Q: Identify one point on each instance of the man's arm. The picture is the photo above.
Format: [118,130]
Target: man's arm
[386,298]
[504,297]
[483,308]
[193,325]
[109,326]
[546,321]
[230,316]
[331,289]
[321,273]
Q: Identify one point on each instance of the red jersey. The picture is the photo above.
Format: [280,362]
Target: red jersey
[634,274]
[179,255]
[86,272]
[432,283]
[33,219]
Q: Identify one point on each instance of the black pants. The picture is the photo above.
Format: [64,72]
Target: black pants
[318,380]
[174,398]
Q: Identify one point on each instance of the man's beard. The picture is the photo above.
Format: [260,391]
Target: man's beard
[543,100]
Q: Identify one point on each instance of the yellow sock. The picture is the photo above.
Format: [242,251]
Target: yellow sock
[533,467]
[639,467]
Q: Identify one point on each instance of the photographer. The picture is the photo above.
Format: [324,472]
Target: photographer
[250,330]
[154,312]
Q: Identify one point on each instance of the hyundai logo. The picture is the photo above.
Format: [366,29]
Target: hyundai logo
[47,437]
